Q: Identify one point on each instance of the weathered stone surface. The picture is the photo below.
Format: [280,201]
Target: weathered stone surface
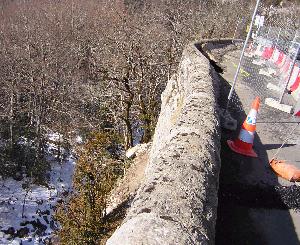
[177,202]
[154,229]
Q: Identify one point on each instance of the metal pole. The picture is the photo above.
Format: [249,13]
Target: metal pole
[242,55]
[290,73]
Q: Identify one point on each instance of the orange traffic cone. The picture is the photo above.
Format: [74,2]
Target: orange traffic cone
[244,143]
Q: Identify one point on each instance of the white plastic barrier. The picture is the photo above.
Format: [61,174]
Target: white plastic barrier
[275,55]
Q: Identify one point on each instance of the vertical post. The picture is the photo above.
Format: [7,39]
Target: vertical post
[242,55]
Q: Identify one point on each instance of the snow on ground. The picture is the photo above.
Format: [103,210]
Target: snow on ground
[26,214]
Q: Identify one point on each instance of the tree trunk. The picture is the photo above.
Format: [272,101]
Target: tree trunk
[128,137]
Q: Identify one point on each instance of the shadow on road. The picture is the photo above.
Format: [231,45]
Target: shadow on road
[253,208]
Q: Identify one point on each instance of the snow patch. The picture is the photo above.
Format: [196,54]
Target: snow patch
[31,206]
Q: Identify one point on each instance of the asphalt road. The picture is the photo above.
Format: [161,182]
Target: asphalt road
[273,126]
[255,205]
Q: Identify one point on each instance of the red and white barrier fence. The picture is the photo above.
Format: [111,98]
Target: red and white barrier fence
[278,56]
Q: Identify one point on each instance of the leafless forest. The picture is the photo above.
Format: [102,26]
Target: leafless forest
[93,68]
[80,66]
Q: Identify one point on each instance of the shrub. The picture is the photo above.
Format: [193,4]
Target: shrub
[83,217]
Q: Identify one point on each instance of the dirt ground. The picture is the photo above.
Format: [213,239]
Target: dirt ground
[256,206]
[129,184]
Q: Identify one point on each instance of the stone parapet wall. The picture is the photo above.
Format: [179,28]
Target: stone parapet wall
[177,201]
